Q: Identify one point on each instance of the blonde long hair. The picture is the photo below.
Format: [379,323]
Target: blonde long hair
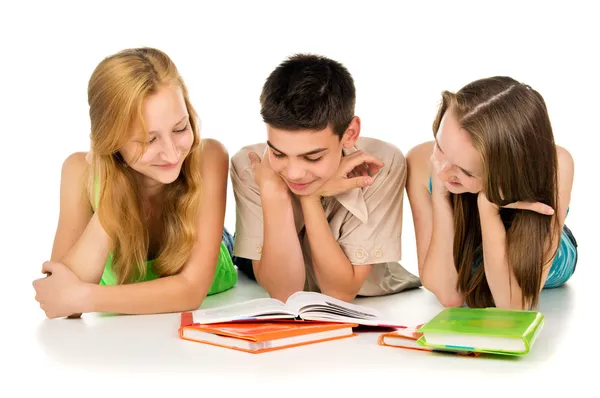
[510,128]
[116,92]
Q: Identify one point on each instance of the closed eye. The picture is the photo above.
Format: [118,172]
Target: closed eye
[314,160]
[183,129]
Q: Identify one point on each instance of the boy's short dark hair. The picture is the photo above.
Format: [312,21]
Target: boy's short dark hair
[309,92]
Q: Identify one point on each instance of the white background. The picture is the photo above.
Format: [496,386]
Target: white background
[401,56]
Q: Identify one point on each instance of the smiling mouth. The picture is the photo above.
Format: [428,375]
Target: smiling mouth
[167,166]
[298,187]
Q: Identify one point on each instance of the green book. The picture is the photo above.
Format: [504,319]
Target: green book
[485,330]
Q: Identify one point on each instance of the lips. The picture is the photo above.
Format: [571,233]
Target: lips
[298,187]
[167,166]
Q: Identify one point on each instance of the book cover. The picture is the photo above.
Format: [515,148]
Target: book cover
[263,336]
[485,330]
[407,339]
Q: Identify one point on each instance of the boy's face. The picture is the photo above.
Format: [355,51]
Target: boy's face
[306,159]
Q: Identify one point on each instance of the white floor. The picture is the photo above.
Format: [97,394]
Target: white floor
[402,54]
[145,351]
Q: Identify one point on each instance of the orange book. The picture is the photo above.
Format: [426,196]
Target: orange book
[408,337]
[258,337]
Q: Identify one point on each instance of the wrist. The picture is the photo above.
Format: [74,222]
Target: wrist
[485,206]
[310,200]
[274,190]
[88,292]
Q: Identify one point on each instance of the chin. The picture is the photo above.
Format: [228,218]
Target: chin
[304,192]
[456,189]
[167,177]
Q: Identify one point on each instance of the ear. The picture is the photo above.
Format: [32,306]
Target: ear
[352,133]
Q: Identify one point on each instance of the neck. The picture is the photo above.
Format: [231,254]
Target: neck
[150,188]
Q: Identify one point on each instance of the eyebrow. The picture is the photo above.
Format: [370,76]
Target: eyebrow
[464,171]
[313,152]
[182,119]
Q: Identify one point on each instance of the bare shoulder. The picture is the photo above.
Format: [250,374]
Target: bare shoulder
[566,164]
[213,154]
[214,148]
[75,175]
[565,175]
[418,162]
[75,162]
[421,153]
[75,170]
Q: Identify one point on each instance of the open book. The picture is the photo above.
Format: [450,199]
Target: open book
[308,306]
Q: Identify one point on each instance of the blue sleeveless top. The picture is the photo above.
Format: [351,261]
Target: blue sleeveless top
[563,265]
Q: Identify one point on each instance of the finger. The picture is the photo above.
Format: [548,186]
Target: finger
[358,171]
[374,170]
[254,159]
[364,170]
[357,158]
[48,267]
[531,206]
[357,182]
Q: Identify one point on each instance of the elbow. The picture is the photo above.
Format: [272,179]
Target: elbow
[346,296]
[191,302]
[446,296]
[450,299]
[283,294]
[192,296]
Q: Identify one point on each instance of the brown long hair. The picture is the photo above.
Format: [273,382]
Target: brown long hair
[116,92]
[510,128]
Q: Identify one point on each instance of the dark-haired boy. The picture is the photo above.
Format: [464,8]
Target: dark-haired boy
[318,208]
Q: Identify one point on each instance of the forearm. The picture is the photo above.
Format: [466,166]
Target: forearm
[88,255]
[439,273]
[163,295]
[333,271]
[281,268]
[500,277]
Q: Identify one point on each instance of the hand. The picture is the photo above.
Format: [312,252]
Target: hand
[364,170]
[437,185]
[537,207]
[61,293]
[264,176]
[345,178]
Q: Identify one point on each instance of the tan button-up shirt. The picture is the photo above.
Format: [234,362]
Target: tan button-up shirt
[366,222]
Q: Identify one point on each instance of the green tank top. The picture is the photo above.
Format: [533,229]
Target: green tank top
[225,274]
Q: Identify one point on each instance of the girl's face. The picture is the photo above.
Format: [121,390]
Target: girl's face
[460,166]
[169,140]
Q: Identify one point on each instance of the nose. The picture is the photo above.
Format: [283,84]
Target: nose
[295,171]
[170,154]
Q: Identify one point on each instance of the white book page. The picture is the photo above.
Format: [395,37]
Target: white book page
[476,342]
[311,304]
[266,308]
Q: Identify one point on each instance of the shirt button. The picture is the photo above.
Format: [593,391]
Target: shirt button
[360,254]
[378,253]
[259,249]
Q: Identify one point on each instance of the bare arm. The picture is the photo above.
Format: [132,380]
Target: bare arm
[336,276]
[187,289]
[265,225]
[77,225]
[434,228]
[280,271]
[498,273]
